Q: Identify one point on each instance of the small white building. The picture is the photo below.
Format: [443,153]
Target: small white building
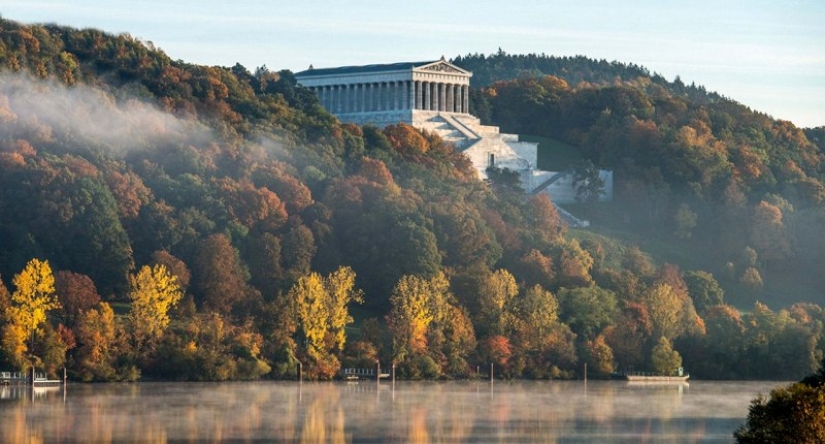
[433,96]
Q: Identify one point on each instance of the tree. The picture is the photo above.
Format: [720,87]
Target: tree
[411,312]
[768,233]
[321,307]
[599,356]
[33,297]
[793,413]
[685,221]
[664,359]
[76,293]
[587,182]
[219,275]
[672,313]
[494,298]
[97,333]
[704,290]
[340,286]
[588,310]
[154,291]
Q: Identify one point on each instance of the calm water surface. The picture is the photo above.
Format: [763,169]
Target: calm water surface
[447,412]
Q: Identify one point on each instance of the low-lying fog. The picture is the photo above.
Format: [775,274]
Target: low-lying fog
[542,411]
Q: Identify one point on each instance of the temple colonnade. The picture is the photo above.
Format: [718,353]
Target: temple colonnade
[394,95]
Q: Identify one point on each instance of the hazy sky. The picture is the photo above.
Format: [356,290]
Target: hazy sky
[768,55]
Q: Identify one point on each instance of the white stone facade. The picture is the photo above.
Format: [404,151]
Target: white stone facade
[387,94]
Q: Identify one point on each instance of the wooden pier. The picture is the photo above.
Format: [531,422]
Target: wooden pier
[358,374]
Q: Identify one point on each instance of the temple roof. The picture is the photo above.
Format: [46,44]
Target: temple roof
[439,65]
[365,68]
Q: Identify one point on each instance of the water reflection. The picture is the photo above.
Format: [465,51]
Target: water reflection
[599,411]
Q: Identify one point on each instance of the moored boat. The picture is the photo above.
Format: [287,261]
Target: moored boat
[678,376]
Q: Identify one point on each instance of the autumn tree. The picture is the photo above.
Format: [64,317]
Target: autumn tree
[671,311]
[97,337]
[341,291]
[496,291]
[33,297]
[76,293]
[220,279]
[627,338]
[321,306]
[412,310]
[768,233]
[154,291]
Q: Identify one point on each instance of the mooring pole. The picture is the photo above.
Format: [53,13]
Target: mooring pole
[491,372]
[393,373]
[585,372]
[378,371]
[300,372]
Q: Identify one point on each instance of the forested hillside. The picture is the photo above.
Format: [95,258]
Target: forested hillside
[166,220]
[693,168]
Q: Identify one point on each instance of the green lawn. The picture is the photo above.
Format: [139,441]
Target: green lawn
[553,155]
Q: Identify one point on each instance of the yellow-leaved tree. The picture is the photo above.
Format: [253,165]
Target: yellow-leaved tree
[33,297]
[416,302]
[312,310]
[321,307]
[340,286]
[154,291]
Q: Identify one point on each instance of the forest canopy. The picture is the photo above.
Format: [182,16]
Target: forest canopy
[160,219]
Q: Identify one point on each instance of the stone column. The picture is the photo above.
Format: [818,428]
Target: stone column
[442,97]
[410,94]
[450,98]
[466,99]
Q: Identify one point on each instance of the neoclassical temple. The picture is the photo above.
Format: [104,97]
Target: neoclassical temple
[433,96]
[391,93]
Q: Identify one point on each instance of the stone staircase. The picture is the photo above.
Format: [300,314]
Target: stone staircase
[476,140]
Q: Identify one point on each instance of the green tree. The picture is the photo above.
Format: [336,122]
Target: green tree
[588,310]
[704,290]
[793,413]
[664,359]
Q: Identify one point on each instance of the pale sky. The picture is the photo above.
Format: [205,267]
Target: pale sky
[767,55]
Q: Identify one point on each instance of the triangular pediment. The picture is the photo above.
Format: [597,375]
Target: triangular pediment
[443,66]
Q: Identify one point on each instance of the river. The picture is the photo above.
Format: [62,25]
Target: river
[403,412]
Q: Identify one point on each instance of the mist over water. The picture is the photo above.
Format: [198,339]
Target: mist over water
[534,411]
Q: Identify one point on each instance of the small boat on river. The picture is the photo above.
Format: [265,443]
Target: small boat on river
[679,376]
